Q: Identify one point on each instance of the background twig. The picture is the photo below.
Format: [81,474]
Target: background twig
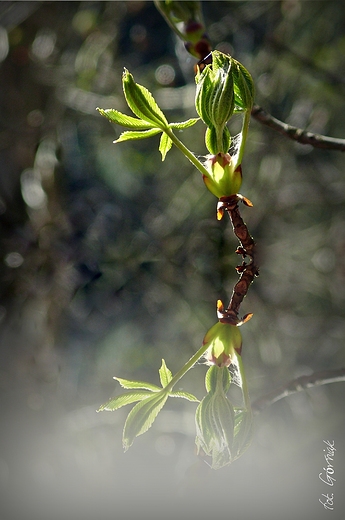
[297,134]
[324,377]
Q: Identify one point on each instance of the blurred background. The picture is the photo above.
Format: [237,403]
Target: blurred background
[111,260]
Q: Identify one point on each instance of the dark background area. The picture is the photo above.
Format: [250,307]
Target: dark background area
[111,260]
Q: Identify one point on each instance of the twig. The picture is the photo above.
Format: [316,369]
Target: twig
[297,134]
[324,377]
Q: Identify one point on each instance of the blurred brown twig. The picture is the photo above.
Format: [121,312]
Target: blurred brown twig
[324,377]
[297,134]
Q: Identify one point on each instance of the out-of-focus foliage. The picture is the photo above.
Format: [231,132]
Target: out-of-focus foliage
[111,260]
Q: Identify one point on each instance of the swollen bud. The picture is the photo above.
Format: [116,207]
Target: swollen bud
[225,175]
[224,344]
[185,18]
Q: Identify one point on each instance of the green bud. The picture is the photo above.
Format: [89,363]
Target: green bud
[215,418]
[215,100]
[185,18]
[225,175]
[225,343]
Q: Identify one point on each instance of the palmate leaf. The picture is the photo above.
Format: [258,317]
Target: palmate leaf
[141,417]
[131,134]
[114,116]
[141,101]
[125,383]
[122,400]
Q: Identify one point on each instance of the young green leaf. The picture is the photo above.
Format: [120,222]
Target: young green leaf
[122,400]
[114,116]
[217,378]
[165,145]
[217,141]
[132,134]
[243,87]
[125,383]
[141,102]
[215,419]
[243,432]
[141,417]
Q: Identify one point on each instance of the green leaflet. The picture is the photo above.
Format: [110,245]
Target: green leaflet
[184,124]
[114,116]
[122,400]
[141,102]
[165,145]
[243,431]
[131,134]
[165,374]
[125,383]
[184,395]
[141,417]
[243,88]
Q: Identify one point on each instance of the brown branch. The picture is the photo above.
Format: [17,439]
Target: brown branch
[297,134]
[324,377]
[248,271]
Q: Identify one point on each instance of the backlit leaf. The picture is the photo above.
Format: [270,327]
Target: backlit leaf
[141,417]
[184,395]
[122,400]
[165,145]
[131,134]
[125,383]
[123,120]
[185,124]
[141,101]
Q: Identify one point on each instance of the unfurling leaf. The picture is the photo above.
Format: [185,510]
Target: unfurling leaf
[214,101]
[141,417]
[243,431]
[243,87]
[215,419]
[141,102]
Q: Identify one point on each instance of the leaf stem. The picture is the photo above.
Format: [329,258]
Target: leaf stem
[187,366]
[244,132]
[187,153]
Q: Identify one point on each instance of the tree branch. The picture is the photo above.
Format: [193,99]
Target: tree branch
[324,377]
[297,134]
